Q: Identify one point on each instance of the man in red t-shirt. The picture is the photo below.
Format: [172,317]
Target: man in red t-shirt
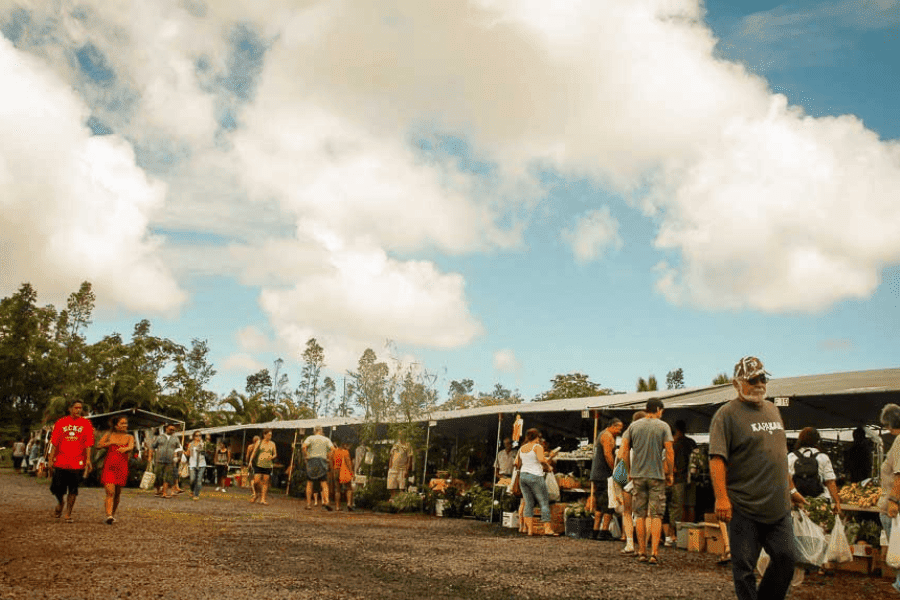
[70,458]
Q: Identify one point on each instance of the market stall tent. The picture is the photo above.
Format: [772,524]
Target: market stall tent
[834,400]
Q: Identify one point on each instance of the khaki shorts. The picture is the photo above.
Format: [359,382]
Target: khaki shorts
[649,498]
[396,479]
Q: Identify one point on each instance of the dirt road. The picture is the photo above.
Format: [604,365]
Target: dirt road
[224,547]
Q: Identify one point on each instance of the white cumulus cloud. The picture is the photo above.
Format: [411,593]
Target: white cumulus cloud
[74,207]
[594,234]
[505,361]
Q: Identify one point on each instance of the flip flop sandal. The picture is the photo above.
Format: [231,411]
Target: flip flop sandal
[68,520]
[110,520]
[642,558]
[263,503]
[253,499]
[57,512]
[724,559]
[653,560]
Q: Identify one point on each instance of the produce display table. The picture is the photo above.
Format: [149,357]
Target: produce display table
[856,508]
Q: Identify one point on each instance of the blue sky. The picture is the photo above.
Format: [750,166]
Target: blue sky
[505,191]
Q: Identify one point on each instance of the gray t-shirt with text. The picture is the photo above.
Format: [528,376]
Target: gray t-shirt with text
[648,438]
[752,441]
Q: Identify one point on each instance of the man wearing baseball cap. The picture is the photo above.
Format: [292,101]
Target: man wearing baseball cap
[748,465]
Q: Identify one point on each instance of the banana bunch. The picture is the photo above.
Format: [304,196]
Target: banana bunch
[862,496]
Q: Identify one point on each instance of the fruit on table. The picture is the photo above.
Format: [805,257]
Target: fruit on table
[862,496]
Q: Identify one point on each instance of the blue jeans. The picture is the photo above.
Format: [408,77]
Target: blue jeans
[534,489]
[746,538]
[886,523]
[196,480]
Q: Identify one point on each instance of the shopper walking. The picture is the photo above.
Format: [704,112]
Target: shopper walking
[70,457]
[342,467]
[889,502]
[18,454]
[119,445]
[251,458]
[196,463]
[748,467]
[532,464]
[165,450]
[222,460]
[651,439]
[266,453]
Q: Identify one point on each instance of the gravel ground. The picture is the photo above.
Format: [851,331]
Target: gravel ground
[225,547]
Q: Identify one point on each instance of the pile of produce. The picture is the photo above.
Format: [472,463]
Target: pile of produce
[864,496]
[582,453]
[567,481]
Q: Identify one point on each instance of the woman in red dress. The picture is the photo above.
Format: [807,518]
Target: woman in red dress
[119,445]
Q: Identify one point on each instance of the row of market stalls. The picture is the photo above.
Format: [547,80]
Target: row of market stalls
[837,401]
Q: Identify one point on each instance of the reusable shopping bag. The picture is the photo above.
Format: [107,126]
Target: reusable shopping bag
[620,473]
[893,553]
[838,548]
[552,487]
[809,540]
[148,480]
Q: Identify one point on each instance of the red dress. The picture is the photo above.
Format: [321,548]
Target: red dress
[115,467]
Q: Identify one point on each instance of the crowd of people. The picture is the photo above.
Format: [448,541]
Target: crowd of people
[756,481]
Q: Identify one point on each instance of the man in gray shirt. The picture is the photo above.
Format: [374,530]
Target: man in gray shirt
[164,449]
[651,438]
[748,467]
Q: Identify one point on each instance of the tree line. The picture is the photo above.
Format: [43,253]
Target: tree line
[45,361]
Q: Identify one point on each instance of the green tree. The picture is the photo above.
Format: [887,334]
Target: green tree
[573,385]
[721,379]
[647,385]
[675,379]
[461,395]
[29,367]
[187,381]
[261,381]
[309,392]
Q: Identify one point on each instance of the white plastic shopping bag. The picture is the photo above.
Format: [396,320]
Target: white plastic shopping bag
[810,540]
[838,548]
[893,552]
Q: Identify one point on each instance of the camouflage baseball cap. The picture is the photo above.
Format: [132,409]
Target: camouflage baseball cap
[749,367]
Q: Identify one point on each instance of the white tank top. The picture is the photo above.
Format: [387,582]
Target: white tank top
[530,463]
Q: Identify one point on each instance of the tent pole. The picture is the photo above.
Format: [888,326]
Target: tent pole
[427,445]
[287,488]
[592,500]
[496,451]
[243,446]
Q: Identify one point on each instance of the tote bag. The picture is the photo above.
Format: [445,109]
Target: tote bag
[893,552]
[620,473]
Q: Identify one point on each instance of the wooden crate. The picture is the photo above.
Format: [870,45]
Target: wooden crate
[696,541]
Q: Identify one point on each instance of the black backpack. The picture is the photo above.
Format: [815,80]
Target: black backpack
[806,475]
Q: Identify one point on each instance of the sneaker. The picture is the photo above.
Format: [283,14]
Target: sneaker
[627,550]
[669,543]
[896,587]
[195,498]
[224,490]
[217,489]
[110,520]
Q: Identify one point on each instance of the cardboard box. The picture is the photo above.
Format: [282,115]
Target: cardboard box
[710,518]
[557,517]
[510,519]
[683,529]
[696,541]
[715,541]
[862,549]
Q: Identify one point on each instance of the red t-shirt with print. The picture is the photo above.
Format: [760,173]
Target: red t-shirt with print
[71,437]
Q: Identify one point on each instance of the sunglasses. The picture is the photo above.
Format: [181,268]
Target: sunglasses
[757,380]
